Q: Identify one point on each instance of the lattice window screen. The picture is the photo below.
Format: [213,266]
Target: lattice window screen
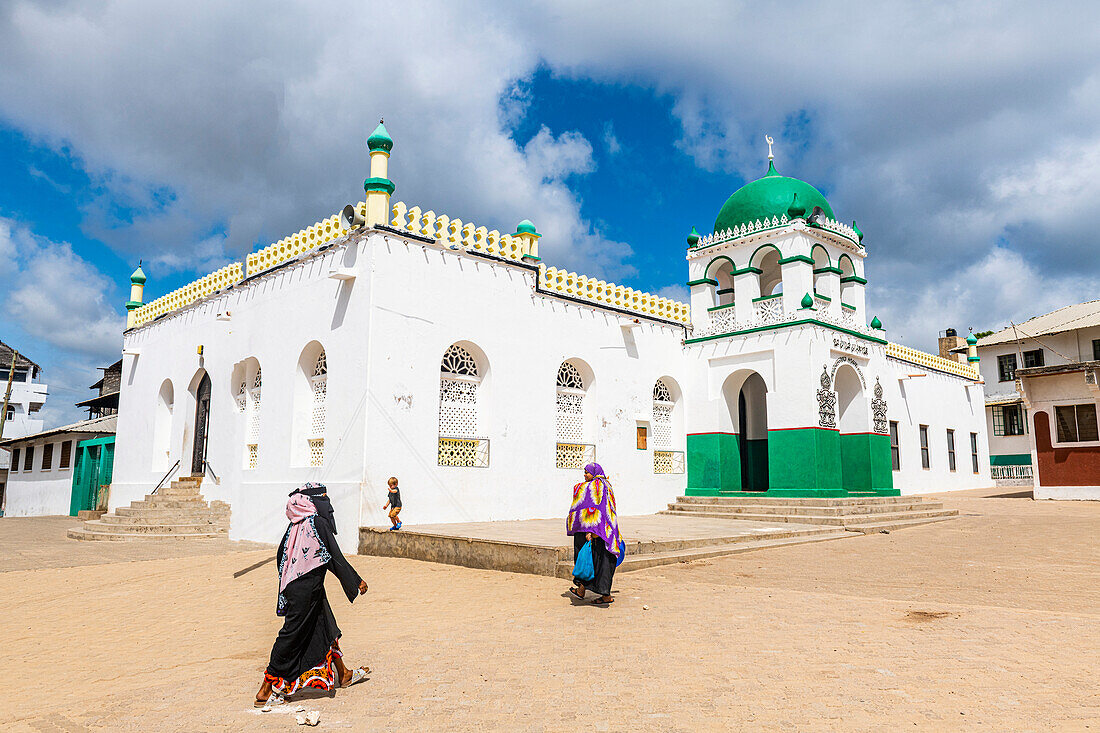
[569,376]
[317,451]
[662,425]
[253,455]
[320,396]
[661,392]
[241,398]
[570,417]
[458,387]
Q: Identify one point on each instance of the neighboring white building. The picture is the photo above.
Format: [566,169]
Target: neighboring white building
[425,347]
[28,395]
[40,481]
[1056,352]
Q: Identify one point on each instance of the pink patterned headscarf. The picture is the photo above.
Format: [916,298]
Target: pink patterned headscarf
[303,550]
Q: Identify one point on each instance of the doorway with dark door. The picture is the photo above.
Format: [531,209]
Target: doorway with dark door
[202,426]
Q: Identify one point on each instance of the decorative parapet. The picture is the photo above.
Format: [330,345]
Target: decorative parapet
[763,225]
[188,294]
[920,358]
[291,246]
[598,292]
[454,232]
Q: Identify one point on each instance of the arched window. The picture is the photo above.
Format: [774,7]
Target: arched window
[162,427]
[573,450]
[662,415]
[665,459]
[459,382]
[319,388]
[252,450]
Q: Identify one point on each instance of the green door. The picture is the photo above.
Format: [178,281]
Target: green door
[92,474]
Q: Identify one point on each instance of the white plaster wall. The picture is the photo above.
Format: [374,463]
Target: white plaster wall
[273,318]
[36,492]
[940,401]
[427,298]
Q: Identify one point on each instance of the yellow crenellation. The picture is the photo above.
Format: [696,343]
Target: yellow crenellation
[929,360]
[291,246]
[478,239]
[188,294]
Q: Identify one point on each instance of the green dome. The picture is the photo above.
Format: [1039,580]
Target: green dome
[138,278]
[971,339]
[526,227]
[380,139]
[769,196]
[876,324]
[693,238]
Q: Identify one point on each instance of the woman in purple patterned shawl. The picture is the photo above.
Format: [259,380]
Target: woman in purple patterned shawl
[593,518]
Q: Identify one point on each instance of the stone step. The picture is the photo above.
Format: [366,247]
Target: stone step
[749,498]
[166,501]
[146,511]
[660,546]
[98,525]
[834,511]
[169,518]
[639,562]
[79,533]
[843,521]
[873,527]
[90,514]
[178,491]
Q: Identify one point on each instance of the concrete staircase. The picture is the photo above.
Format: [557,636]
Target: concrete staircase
[176,512]
[853,514]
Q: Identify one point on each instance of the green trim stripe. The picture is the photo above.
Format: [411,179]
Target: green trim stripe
[797,258]
[1010,459]
[800,322]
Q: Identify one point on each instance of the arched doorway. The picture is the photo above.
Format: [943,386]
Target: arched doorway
[202,426]
[854,424]
[752,431]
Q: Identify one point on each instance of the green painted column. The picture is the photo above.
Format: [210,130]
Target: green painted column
[855,460]
[804,462]
[713,464]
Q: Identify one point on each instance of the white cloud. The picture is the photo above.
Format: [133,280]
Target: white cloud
[675,292]
[610,140]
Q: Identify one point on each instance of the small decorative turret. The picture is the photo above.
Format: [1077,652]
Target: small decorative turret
[526,234]
[857,230]
[972,349]
[807,301]
[137,294]
[693,238]
[379,188]
[876,324]
[796,210]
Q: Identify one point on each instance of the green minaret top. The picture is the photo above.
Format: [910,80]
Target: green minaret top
[876,324]
[971,340]
[380,139]
[526,227]
[138,278]
[807,301]
[857,230]
[693,238]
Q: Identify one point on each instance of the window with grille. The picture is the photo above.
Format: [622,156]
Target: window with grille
[319,389]
[1009,420]
[15,460]
[65,460]
[1076,423]
[572,449]
[1033,358]
[1096,349]
[47,457]
[1006,367]
[951,450]
[925,460]
[459,380]
[974,451]
[662,416]
[28,458]
[895,446]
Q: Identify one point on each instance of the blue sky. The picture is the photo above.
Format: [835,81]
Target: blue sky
[964,141]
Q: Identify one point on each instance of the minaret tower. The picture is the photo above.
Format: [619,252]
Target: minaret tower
[137,295]
[379,187]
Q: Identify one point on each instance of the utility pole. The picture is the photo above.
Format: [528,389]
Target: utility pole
[7,393]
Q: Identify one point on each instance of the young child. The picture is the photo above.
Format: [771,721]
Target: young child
[393,503]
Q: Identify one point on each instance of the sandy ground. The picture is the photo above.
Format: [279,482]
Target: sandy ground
[986,622]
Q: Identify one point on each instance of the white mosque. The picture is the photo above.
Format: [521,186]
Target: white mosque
[394,341]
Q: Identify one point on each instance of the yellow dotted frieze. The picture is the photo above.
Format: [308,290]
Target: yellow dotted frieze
[920,358]
[293,245]
[599,292]
[188,294]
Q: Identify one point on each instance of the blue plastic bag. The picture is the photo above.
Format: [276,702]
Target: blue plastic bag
[622,552]
[583,569]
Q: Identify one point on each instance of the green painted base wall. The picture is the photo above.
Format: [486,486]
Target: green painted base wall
[713,464]
[798,462]
[1010,459]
